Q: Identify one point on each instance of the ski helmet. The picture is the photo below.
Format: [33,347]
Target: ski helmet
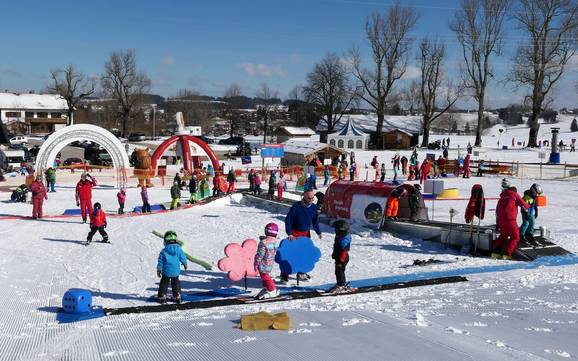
[271,229]
[83,176]
[97,206]
[505,184]
[417,187]
[341,226]
[537,188]
[170,236]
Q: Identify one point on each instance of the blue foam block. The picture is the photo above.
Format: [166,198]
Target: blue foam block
[429,196]
[299,255]
[64,317]
[154,207]
[76,301]
[72,212]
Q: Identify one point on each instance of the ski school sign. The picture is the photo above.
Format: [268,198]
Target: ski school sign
[272,151]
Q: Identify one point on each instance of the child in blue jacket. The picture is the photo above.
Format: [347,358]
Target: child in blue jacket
[341,253]
[168,267]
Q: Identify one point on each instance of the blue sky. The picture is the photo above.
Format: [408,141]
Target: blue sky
[206,46]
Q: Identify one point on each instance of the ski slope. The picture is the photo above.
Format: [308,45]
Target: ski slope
[514,315]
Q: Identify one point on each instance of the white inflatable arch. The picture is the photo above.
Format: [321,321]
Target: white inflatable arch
[84,132]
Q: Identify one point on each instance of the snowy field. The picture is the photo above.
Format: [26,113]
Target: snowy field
[524,314]
[519,315]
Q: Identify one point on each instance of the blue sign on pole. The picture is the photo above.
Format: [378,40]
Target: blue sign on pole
[272,151]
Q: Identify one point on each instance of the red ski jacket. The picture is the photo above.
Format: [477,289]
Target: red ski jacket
[97,218]
[84,189]
[507,208]
[38,190]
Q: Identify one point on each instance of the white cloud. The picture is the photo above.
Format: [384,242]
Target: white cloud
[168,60]
[264,70]
[411,72]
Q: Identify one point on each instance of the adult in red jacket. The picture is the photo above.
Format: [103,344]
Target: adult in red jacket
[97,223]
[84,194]
[424,171]
[38,196]
[506,218]
[467,166]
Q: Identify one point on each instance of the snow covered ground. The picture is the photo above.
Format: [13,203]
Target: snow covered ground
[524,314]
[517,315]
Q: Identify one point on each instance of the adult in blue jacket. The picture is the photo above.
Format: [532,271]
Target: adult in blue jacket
[298,222]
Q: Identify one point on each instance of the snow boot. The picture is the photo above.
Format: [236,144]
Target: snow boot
[303,277]
[261,293]
[162,299]
[496,255]
[506,257]
[270,294]
[177,299]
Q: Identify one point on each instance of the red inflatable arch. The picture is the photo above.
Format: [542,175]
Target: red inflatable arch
[188,160]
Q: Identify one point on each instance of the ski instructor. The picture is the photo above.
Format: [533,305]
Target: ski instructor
[84,194]
[298,222]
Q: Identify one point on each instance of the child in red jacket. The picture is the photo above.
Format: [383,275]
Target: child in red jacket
[97,223]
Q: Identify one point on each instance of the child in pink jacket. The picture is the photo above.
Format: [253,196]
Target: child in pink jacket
[264,260]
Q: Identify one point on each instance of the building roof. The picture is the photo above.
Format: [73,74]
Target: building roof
[32,102]
[298,130]
[306,148]
[349,129]
[368,122]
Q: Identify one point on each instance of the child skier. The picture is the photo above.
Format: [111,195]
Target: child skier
[280,186]
[264,260]
[529,216]
[272,183]
[193,189]
[175,195]
[168,268]
[97,223]
[257,181]
[392,205]
[121,196]
[231,179]
[340,254]
[144,194]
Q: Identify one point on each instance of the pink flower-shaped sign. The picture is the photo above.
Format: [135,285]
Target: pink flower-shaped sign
[240,260]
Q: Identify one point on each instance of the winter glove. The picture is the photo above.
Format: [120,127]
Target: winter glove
[536,213]
[185,266]
[159,274]
[77,203]
[319,235]
[343,256]
[105,224]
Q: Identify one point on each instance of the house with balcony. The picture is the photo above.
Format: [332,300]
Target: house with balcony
[37,114]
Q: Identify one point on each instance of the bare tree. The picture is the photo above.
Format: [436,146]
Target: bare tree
[431,56]
[478,27]
[329,88]
[72,86]
[390,44]
[233,96]
[122,82]
[411,96]
[267,95]
[551,26]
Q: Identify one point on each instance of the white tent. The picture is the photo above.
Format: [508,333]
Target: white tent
[349,137]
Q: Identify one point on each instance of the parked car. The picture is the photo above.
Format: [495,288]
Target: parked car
[73,163]
[18,140]
[136,137]
[232,141]
[14,159]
